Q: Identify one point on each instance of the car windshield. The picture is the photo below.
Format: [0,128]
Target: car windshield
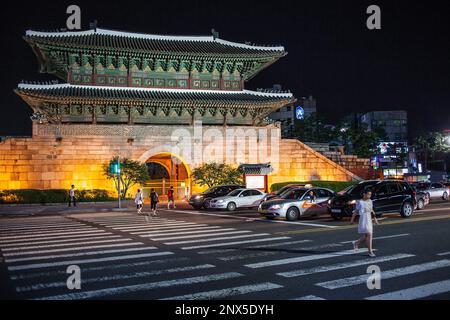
[234,193]
[293,194]
[211,190]
[357,189]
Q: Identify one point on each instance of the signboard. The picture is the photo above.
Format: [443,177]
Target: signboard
[299,113]
[255,182]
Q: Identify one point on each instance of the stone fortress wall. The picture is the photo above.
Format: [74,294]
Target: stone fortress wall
[57,156]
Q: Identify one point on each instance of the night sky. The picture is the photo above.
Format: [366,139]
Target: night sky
[332,55]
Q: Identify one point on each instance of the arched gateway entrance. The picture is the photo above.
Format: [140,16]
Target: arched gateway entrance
[165,170]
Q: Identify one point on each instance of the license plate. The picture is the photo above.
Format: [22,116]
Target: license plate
[336,210]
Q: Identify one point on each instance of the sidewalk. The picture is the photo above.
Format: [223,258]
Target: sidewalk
[82,207]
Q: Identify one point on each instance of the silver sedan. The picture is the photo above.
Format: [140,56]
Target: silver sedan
[296,203]
[437,191]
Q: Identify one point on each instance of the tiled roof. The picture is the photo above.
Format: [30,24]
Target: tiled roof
[110,39]
[127,93]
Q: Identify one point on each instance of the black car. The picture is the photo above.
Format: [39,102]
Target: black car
[387,196]
[199,201]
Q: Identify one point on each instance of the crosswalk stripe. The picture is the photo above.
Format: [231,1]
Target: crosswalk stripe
[310,297]
[143,287]
[152,225]
[227,292]
[345,265]
[28,275]
[248,256]
[386,274]
[116,277]
[48,234]
[218,239]
[381,238]
[72,236]
[54,231]
[419,292]
[114,245]
[145,223]
[280,262]
[24,228]
[66,242]
[175,231]
[84,261]
[444,254]
[216,251]
[200,235]
[188,231]
[233,243]
[280,244]
[166,227]
[88,253]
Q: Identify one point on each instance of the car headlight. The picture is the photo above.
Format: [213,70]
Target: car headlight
[351,202]
[198,197]
[275,207]
[329,201]
[220,201]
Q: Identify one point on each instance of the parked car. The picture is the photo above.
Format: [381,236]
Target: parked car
[296,203]
[199,201]
[278,193]
[435,190]
[422,200]
[387,196]
[239,198]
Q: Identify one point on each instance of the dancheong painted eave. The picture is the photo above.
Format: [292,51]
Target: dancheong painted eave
[105,38]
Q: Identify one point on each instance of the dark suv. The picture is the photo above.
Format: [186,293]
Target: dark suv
[387,196]
[199,201]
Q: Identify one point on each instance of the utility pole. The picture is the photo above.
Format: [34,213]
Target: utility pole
[118,180]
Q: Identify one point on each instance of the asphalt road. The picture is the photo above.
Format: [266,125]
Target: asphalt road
[188,254]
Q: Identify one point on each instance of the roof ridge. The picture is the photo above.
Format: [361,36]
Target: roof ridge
[37,86]
[136,35]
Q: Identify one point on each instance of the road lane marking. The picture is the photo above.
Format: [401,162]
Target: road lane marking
[419,292]
[218,239]
[80,254]
[254,219]
[171,228]
[29,275]
[280,262]
[248,256]
[188,231]
[38,233]
[72,236]
[143,287]
[386,274]
[310,297]
[43,227]
[152,225]
[227,292]
[63,242]
[233,243]
[279,244]
[84,261]
[380,238]
[192,236]
[114,245]
[444,254]
[49,234]
[339,266]
[216,251]
[116,277]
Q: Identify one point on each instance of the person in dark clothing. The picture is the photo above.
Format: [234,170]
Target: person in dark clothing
[153,202]
[171,198]
[72,196]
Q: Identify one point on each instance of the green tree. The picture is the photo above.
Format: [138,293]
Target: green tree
[429,143]
[358,140]
[313,129]
[132,173]
[213,174]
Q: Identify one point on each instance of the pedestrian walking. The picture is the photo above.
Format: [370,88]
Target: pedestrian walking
[364,208]
[154,199]
[72,196]
[171,198]
[139,200]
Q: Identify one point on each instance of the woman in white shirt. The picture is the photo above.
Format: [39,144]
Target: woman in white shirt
[139,200]
[364,208]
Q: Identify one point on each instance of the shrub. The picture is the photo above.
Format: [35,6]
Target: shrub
[33,196]
[333,185]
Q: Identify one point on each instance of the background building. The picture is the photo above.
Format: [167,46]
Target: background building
[394,123]
[298,110]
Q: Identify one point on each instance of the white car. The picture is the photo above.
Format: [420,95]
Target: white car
[239,198]
[437,191]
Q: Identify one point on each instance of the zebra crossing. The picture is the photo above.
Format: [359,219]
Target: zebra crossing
[120,257]
[184,234]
